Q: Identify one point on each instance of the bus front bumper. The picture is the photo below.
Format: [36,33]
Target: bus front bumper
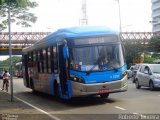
[81,89]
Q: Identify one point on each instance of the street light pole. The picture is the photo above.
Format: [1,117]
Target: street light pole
[119,10]
[10,52]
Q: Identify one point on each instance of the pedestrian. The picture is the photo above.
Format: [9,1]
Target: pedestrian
[6,77]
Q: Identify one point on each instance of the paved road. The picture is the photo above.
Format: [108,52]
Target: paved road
[137,102]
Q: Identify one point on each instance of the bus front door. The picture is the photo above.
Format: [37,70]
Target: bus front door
[63,71]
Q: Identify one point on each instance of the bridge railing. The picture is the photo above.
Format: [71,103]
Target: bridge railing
[24,39]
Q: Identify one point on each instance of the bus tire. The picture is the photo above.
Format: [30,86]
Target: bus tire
[104,95]
[56,90]
[31,84]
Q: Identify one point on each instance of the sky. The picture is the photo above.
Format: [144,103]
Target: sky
[54,14]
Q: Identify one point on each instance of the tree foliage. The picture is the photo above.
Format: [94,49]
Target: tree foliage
[133,51]
[154,44]
[6,63]
[149,59]
[19,12]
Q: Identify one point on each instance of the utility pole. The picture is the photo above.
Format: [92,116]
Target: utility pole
[10,49]
[84,19]
[119,10]
[10,52]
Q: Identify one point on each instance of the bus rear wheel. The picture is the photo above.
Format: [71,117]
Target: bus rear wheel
[56,90]
[104,95]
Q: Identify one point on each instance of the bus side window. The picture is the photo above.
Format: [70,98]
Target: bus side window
[34,56]
[44,60]
[49,60]
[30,59]
[41,61]
[55,59]
[38,59]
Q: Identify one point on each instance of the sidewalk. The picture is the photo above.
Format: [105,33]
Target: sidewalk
[17,110]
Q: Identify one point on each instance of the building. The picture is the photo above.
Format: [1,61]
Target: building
[156,15]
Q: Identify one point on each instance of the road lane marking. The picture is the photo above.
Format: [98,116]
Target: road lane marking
[48,114]
[135,113]
[40,110]
[143,116]
[120,108]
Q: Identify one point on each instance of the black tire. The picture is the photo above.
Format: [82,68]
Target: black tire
[137,84]
[134,80]
[56,91]
[106,95]
[34,91]
[31,84]
[151,85]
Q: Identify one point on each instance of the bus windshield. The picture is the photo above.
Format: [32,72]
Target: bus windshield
[96,58]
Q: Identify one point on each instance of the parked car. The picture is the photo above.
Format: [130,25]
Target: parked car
[148,75]
[135,69]
[130,72]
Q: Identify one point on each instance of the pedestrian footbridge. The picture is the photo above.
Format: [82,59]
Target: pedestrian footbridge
[20,40]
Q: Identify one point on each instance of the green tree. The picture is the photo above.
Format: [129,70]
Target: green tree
[19,13]
[133,50]
[6,63]
[149,59]
[154,44]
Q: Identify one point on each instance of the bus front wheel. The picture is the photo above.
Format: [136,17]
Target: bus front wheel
[104,95]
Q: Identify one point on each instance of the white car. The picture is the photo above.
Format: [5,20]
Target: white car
[148,75]
[130,72]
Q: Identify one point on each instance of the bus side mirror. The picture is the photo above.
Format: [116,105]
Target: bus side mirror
[65,52]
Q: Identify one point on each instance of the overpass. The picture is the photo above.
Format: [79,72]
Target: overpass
[24,39]
[19,41]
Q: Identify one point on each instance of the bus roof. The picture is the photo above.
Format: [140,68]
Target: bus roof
[71,32]
[83,31]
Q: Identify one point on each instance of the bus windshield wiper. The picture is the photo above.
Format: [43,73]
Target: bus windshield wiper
[95,64]
[90,70]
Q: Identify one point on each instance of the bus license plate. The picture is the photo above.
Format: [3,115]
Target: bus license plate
[103,90]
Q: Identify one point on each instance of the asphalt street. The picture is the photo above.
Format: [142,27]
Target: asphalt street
[141,102]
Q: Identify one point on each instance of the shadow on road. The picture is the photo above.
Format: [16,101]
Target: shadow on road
[59,104]
[89,101]
[148,89]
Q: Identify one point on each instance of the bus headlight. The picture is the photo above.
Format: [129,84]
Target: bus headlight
[76,79]
[124,74]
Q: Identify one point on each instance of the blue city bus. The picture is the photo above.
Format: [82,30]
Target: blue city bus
[76,61]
